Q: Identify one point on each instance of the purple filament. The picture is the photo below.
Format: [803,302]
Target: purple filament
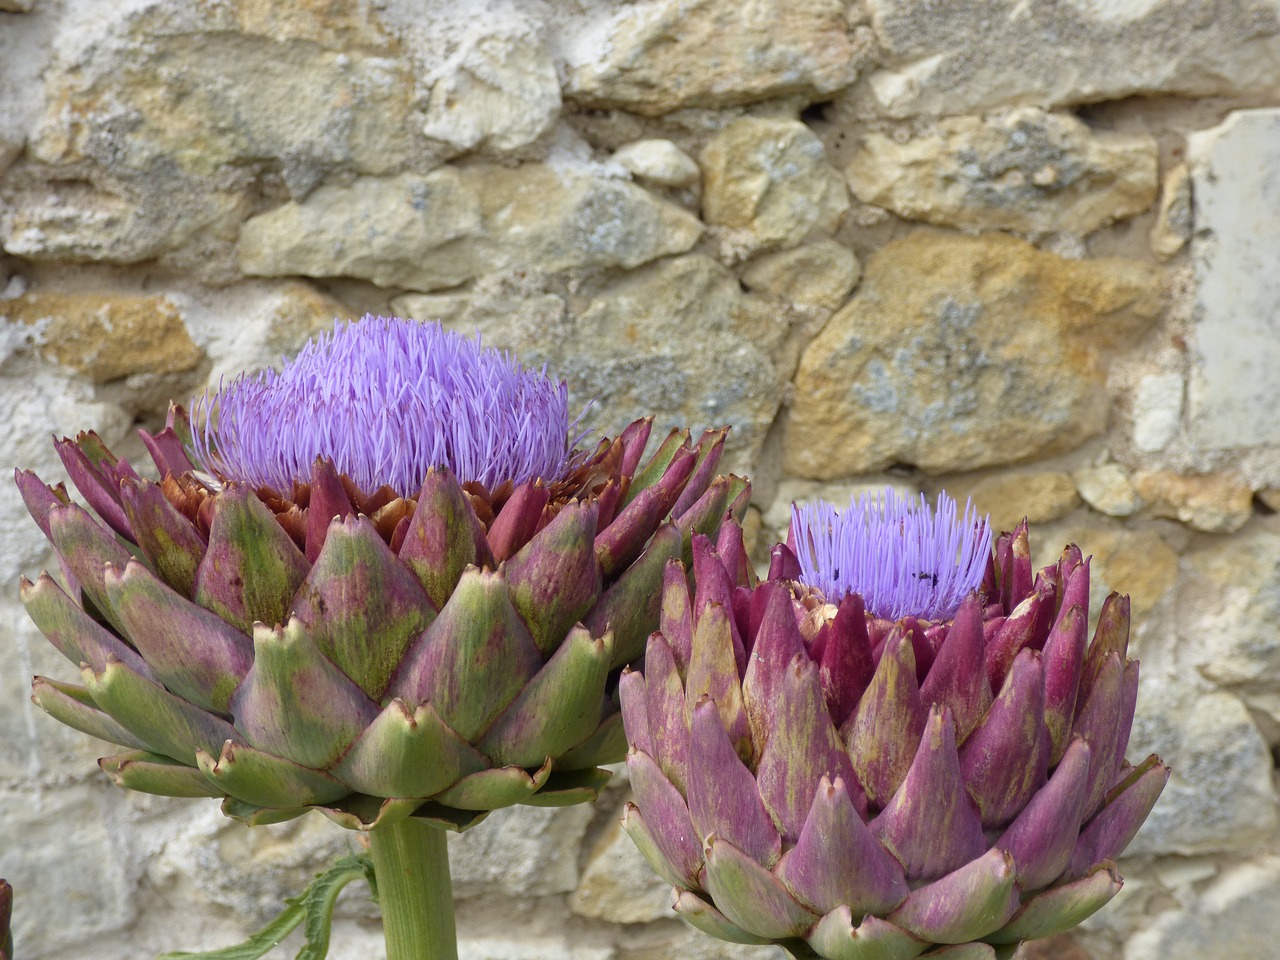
[386,399]
[901,556]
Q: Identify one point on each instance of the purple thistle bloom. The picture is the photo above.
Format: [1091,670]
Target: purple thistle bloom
[902,557]
[386,399]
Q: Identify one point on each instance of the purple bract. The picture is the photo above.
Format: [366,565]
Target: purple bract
[901,556]
[387,399]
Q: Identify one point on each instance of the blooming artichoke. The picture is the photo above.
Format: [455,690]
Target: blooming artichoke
[379,583]
[897,745]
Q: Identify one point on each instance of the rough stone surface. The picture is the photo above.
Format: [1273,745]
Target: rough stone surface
[1131,560]
[1233,391]
[1108,489]
[657,56]
[1220,795]
[770,180]
[658,161]
[972,55]
[105,336]
[1040,497]
[158,115]
[1024,170]
[87,892]
[1214,503]
[451,225]
[933,364]
[820,274]
[677,339]
[500,92]
[1174,220]
[1157,411]
[519,852]
[618,885]
[1231,604]
[1235,916]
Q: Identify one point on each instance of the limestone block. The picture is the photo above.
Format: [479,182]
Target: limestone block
[677,339]
[393,231]
[1174,221]
[256,325]
[934,363]
[1220,795]
[106,336]
[657,56]
[1231,605]
[206,86]
[1024,170]
[158,118]
[1040,497]
[818,274]
[500,92]
[71,884]
[972,55]
[519,852]
[1108,489]
[1157,411]
[24,54]
[1213,502]
[1233,391]
[618,885]
[770,179]
[438,230]
[1235,916]
[1129,560]
[658,161]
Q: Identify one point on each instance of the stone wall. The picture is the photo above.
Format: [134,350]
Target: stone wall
[1024,250]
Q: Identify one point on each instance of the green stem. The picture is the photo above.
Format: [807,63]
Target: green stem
[411,861]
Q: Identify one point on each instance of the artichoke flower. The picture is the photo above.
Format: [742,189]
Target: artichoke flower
[899,744]
[380,583]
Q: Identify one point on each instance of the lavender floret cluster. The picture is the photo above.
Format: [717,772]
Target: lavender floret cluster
[387,399]
[902,557]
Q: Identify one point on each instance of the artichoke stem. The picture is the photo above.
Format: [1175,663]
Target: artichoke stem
[411,860]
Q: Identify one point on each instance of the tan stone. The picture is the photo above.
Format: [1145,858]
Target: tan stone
[658,161]
[1040,497]
[677,339]
[501,93]
[1174,219]
[935,361]
[1270,498]
[618,885]
[1108,489]
[967,56]
[438,230]
[106,336]
[1130,560]
[1230,605]
[770,179]
[1025,170]
[818,274]
[1213,502]
[657,56]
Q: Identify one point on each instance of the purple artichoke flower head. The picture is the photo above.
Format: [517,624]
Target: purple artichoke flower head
[900,555]
[852,760]
[381,583]
[386,399]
